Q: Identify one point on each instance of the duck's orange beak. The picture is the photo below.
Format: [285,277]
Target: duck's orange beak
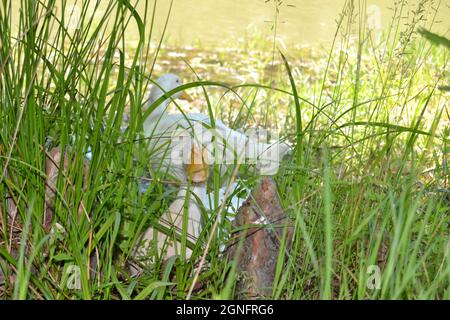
[185,96]
[197,169]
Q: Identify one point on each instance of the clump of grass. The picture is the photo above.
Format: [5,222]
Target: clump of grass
[366,186]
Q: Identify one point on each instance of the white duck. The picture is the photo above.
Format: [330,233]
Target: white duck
[170,134]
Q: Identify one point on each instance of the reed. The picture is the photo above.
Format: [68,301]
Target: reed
[366,185]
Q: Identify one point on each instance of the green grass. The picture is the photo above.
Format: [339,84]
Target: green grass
[366,184]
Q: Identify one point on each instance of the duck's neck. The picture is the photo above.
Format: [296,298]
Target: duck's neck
[156,115]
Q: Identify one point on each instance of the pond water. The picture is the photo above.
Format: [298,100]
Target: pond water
[299,22]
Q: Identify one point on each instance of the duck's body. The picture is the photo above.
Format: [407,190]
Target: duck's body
[167,243]
[168,134]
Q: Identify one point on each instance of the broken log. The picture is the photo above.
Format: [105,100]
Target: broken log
[261,223]
[55,158]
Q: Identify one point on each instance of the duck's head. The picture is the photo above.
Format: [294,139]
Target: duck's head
[166,83]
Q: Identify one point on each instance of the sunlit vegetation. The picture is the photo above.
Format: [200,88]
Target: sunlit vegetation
[366,184]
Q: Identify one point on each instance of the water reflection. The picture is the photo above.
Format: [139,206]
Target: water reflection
[298,22]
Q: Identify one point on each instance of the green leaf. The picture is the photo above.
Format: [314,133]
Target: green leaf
[149,289]
[63,257]
[435,38]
